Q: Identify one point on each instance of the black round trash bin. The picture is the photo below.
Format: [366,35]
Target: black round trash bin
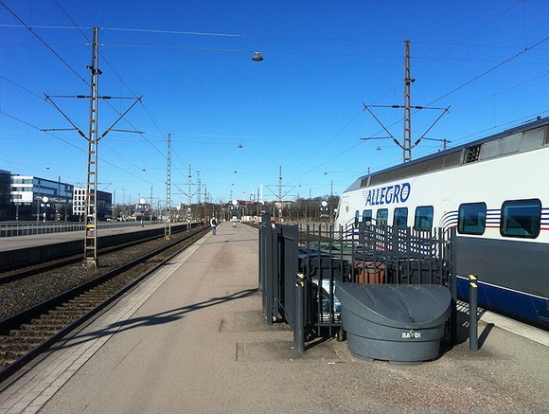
[397,323]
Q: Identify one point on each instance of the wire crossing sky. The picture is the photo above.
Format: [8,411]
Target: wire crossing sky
[238,125]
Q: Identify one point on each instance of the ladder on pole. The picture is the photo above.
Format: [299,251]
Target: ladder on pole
[90,248]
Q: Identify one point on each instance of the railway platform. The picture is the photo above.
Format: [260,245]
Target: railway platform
[18,251]
[44,239]
[191,338]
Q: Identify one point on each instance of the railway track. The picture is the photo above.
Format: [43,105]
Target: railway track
[26,334]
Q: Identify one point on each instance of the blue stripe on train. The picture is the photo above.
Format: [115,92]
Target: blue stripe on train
[520,306]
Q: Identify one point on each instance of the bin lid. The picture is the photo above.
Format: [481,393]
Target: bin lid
[398,306]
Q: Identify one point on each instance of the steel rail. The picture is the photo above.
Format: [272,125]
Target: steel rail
[22,322]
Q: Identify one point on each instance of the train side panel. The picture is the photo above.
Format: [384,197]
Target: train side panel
[513,268]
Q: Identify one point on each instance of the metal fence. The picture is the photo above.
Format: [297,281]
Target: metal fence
[32,228]
[299,267]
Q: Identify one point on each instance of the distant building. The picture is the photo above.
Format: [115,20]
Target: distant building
[35,198]
[142,210]
[104,203]
[26,197]
[5,198]
[79,202]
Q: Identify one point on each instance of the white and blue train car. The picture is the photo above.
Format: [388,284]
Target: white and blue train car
[495,192]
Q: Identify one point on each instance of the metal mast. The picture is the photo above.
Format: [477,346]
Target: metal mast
[90,249]
[167,228]
[198,195]
[93,138]
[280,195]
[406,144]
[407,140]
[189,195]
[280,183]
[199,185]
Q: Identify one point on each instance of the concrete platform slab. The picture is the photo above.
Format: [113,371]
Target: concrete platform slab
[254,321]
[281,351]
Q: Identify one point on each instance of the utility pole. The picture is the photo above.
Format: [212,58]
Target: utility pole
[90,249]
[167,226]
[406,144]
[199,188]
[90,219]
[280,183]
[280,195]
[407,140]
[189,197]
[198,195]
[330,208]
[151,205]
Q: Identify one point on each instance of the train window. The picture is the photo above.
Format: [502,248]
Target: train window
[367,217]
[400,220]
[357,215]
[381,217]
[472,218]
[521,218]
[423,220]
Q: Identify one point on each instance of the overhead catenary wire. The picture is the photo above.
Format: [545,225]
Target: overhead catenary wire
[76,73]
[155,143]
[113,70]
[50,100]
[45,44]
[493,68]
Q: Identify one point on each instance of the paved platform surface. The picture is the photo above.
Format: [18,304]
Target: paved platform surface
[192,339]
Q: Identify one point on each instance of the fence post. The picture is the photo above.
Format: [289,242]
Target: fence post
[473,321]
[299,329]
[453,284]
[272,273]
[268,271]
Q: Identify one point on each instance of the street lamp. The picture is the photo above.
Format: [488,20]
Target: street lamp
[41,201]
[324,209]
[178,208]
[159,215]
[257,57]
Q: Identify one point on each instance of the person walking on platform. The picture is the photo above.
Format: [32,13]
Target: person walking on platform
[213,223]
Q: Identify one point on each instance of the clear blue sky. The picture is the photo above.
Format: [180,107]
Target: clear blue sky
[300,109]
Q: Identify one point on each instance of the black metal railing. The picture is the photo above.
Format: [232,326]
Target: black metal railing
[299,269]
